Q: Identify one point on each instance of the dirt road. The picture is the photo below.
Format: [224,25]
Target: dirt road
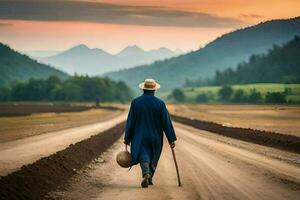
[211,166]
[24,151]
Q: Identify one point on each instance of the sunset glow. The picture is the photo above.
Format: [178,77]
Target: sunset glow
[144,23]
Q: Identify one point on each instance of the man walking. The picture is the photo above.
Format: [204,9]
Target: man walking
[147,119]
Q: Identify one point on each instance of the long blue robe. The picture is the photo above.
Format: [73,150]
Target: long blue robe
[147,119]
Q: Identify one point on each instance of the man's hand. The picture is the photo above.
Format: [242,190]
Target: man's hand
[172,145]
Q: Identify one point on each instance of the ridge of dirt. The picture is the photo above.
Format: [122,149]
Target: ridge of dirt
[26,109]
[267,138]
[36,180]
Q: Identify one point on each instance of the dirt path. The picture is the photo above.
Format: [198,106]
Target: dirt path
[24,151]
[212,167]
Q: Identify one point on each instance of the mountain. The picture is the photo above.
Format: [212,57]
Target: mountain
[83,60]
[226,51]
[130,51]
[17,67]
[280,65]
[133,55]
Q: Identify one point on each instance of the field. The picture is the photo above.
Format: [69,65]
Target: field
[281,119]
[192,92]
[23,120]
[209,163]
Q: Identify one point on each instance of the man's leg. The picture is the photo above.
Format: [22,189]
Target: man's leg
[152,170]
[145,166]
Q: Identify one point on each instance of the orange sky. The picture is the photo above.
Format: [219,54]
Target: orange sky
[267,9]
[33,35]
[24,34]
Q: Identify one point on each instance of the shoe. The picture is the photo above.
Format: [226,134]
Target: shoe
[150,181]
[145,181]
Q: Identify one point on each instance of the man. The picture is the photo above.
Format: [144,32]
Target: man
[147,119]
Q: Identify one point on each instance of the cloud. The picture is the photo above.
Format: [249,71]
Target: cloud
[251,16]
[64,10]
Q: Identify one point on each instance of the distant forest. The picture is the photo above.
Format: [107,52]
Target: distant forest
[76,88]
[280,65]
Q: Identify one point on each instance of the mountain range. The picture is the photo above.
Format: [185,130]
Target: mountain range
[84,60]
[18,67]
[226,51]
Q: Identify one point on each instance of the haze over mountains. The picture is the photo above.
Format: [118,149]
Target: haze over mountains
[84,60]
[226,51]
[17,67]
[41,53]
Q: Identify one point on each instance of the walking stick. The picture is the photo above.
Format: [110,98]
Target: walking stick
[176,166]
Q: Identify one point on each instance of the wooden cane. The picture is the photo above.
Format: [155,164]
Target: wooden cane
[176,166]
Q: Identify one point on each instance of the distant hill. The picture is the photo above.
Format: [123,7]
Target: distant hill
[226,51]
[83,60]
[17,67]
[280,65]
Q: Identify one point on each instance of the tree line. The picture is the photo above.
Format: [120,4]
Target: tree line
[227,94]
[76,88]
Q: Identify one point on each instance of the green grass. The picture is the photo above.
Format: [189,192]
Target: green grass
[192,92]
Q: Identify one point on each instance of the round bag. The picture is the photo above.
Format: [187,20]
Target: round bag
[124,159]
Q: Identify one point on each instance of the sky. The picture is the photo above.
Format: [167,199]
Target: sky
[111,25]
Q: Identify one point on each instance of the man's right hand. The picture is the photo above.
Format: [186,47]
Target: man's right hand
[172,145]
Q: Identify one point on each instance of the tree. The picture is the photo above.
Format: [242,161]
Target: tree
[202,97]
[18,92]
[225,93]
[287,91]
[178,95]
[52,82]
[276,97]
[254,96]
[67,92]
[5,93]
[123,92]
[239,96]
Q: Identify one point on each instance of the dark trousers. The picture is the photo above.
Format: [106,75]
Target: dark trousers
[145,166]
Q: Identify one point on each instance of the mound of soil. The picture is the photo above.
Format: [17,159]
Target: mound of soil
[280,141]
[35,180]
[11,109]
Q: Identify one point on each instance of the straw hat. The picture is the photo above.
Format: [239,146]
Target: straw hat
[124,159]
[149,84]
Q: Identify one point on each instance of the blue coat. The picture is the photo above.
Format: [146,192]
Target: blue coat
[147,119]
